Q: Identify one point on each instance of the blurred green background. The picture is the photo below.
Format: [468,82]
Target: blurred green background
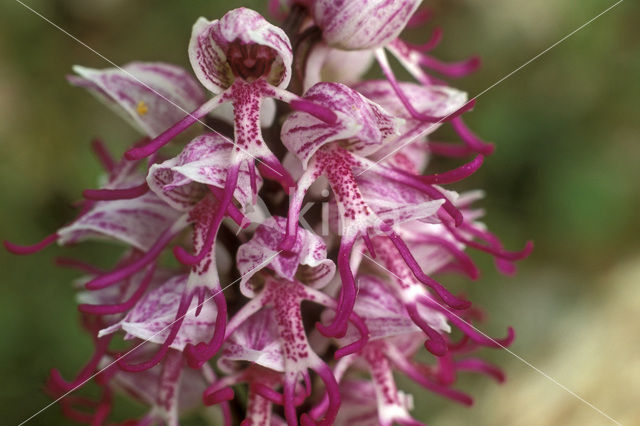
[565,174]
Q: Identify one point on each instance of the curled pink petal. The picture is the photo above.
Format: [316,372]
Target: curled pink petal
[480,366]
[317,111]
[429,45]
[435,342]
[456,174]
[34,248]
[120,307]
[356,346]
[457,69]
[198,354]
[216,397]
[126,271]
[348,293]
[470,139]
[103,154]
[447,297]
[230,186]
[116,194]
[469,330]
[185,301]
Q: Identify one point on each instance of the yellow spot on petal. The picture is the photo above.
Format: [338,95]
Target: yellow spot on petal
[142,108]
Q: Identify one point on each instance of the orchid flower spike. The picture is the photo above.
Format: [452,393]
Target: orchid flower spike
[375,26]
[338,152]
[242,59]
[338,180]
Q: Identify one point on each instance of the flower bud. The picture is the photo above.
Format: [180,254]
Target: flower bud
[362,24]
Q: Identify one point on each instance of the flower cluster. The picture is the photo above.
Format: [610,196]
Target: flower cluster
[305,309]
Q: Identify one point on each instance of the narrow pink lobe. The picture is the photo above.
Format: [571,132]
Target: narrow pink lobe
[389,74]
[198,354]
[129,269]
[455,70]
[34,248]
[230,186]
[468,329]
[103,155]
[406,367]
[412,264]
[116,194]
[429,45]
[120,307]
[455,175]
[470,138]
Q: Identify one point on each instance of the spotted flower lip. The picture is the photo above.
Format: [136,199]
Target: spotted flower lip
[362,24]
[150,95]
[307,258]
[341,160]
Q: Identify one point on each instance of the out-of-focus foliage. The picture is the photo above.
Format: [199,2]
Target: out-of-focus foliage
[566,173]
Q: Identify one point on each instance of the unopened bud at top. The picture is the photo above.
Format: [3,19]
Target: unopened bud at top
[361,24]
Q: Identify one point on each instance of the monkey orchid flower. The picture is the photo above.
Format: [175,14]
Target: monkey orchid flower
[394,341]
[375,26]
[268,332]
[284,347]
[392,329]
[242,59]
[166,315]
[306,262]
[150,96]
[339,153]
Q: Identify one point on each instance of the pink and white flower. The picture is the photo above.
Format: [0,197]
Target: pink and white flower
[387,227]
